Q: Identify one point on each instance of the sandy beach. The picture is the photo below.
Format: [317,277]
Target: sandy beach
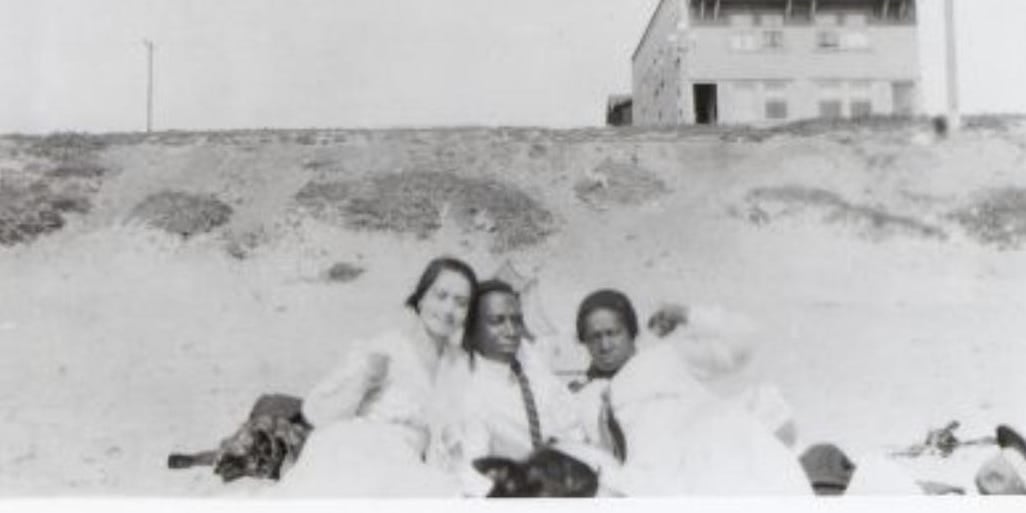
[878,271]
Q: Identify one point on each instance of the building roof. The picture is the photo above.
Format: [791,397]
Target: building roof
[648,28]
[762,5]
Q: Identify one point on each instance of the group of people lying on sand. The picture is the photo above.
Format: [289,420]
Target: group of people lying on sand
[458,400]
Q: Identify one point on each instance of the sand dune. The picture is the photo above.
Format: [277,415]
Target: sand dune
[881,271]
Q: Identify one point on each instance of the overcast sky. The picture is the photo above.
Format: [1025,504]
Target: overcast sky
[80,64]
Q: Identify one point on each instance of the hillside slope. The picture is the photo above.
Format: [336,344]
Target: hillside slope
[153,285]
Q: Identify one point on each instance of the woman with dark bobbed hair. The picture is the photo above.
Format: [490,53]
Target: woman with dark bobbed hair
[375,415]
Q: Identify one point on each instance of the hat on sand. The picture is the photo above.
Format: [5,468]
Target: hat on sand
[1005,473]
[608,299]
[828,468]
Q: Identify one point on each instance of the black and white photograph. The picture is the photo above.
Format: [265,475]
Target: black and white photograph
[461,250]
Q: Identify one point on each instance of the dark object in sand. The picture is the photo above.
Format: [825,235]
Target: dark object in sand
[344,272]
[942,442]
[266,444]
[829,470]
[546,473]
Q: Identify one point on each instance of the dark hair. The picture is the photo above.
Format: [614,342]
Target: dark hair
[430,274]
[484,288]
[608,299]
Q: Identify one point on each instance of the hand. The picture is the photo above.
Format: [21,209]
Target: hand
[667,319]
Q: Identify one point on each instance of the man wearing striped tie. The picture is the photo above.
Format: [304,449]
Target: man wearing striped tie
[514,403]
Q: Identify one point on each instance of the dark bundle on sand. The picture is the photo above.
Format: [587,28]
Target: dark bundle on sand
[266,444]
[546,473]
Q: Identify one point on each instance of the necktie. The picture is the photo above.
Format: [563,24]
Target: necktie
[532,409]
[611,432]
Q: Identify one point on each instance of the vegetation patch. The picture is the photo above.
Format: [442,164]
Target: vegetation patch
[994,122]
[78,169]
[414,202]
[874,222]
[997,217]
[619,183]
[874,124]
[182,213]
[29,212]
[63,146]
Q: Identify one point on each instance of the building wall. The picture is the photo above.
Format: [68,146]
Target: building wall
[799,73]
[657,65]
[746,101]
[892,54]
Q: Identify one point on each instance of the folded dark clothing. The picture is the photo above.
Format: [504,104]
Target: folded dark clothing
[265,445]
[279,405]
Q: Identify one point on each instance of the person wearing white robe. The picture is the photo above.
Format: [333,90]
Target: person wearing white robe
[677,437]
[376,414]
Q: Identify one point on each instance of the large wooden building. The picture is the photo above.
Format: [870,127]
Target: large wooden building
[770,61]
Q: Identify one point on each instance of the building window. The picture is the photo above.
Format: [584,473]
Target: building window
[776,109]
[775,99]
[828,39]
[773,39]
[742,42]
[861,108]
[830,109]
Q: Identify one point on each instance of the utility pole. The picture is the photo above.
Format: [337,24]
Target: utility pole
[954,117]
[149,84]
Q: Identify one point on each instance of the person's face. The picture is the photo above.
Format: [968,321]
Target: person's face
[499,327]
[443,307]
[607,340]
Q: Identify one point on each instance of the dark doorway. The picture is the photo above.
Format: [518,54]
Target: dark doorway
[705,104]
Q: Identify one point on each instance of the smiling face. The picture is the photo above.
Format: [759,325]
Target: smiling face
[499,328]
[443,307]
[608,340]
